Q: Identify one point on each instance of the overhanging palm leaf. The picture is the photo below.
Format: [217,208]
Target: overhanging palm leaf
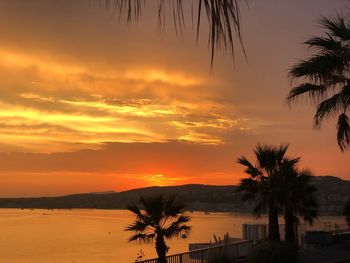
[223,18]
[327,71]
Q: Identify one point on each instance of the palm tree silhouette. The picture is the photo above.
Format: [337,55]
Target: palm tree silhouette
[264,184]
[276,184]
[298,198]
[327,74]
[161,218]
[223,18]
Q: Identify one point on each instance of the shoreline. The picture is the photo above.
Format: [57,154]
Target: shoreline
[321,214]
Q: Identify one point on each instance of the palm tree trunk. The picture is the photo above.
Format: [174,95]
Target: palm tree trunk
[289,219]
[161,249]
[274,232]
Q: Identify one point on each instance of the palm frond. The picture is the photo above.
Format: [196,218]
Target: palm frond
[263,155]
[135,210]
[280,152]
[327,72]
[137,226]
[313,91]
[324,43]
[288,164]
[153,206]
[336,26]
[146,238]
[171,208]
[300,194]
[319,67]
[182,219]
[248,188]
[259,209]
[178,227]
[224,22]
[269,157]
[223,18]
[328,108]
[177,231]
[244,161]
[161,217]
[343,134]
[251,169]
[345,96]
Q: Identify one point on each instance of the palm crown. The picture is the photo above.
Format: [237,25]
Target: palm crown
[275,184]
[265,180]
[300,194]
[327,72]
[264,183]
[297,199]
[161,218]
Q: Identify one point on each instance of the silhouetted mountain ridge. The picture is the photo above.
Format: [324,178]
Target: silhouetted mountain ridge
[333,192]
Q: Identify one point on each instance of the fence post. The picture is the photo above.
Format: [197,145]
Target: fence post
[180,258]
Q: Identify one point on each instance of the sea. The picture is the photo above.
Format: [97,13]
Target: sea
[99,236]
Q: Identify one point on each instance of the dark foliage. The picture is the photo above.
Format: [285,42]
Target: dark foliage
[326,73]
[274,185]
[223,18]
[158,219]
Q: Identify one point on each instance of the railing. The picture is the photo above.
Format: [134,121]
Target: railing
[235,252]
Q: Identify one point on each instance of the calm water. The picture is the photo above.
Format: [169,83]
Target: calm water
[96,236]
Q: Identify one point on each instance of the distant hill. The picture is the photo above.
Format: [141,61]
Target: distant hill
[332,194]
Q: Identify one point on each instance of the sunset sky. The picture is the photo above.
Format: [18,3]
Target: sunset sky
[89,103]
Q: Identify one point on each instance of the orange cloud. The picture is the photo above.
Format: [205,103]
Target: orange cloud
[158,75]
[58,105]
